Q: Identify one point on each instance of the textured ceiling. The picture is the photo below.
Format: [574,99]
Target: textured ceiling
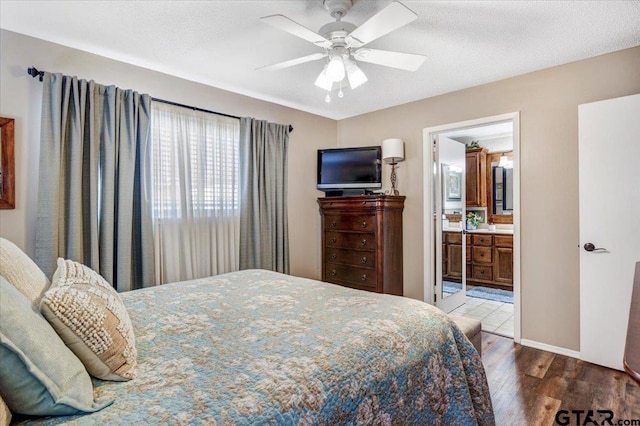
[221,43]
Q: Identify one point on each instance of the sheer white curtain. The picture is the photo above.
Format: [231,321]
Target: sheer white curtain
[196,213]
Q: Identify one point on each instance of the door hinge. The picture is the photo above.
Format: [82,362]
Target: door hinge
[434,298]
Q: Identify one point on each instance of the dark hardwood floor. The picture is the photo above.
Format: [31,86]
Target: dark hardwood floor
[529,386]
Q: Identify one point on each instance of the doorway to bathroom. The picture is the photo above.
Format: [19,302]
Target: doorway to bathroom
[472,253]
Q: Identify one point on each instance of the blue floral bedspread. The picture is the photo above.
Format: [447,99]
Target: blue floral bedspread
[258,347]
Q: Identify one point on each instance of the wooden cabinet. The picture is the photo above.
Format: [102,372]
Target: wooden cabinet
[452,256]
[491,260]
[503,259]
[362,242]
[476,181]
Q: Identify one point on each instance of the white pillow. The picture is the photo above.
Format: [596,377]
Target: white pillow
[89,316]
[22,272]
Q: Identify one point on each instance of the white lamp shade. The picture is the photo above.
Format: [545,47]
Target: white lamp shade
[335,69]
[355,75]
[323,81]
[393,150]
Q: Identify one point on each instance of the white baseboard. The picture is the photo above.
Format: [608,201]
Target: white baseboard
[550,348]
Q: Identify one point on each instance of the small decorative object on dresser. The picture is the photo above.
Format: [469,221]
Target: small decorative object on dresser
[362,242]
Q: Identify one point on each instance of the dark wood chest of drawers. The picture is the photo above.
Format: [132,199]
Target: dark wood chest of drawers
[362,242]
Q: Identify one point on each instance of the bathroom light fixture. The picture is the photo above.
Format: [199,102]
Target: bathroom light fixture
[505,162]
[393,153]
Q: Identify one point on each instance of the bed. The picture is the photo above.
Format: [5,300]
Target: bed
[259,347]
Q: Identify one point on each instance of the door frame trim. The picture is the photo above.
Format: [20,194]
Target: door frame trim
[428,207]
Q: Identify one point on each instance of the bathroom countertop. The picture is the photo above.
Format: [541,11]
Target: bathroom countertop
[481,231]
[451,229]
[486,231]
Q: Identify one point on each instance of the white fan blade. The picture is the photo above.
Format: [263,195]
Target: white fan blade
[401,61]
[292,27]
[390,18]
[292,62]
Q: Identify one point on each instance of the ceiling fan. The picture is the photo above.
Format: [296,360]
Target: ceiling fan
[343,44]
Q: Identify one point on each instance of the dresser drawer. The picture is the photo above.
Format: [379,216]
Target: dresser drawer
[481,254]
[503,241]
[482,240]
[482,272]
[362,258]
[339,205]
[343,274]
[351,240]
[350,223]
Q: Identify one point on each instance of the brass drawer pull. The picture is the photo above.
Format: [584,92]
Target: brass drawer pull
[364,224]
[334,256]
[364,259]
[334,239]
[334,224]
[364,241]
[334,273]
[363,277]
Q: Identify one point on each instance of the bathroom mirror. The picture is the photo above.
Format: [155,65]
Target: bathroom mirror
[7,164]
[500,189]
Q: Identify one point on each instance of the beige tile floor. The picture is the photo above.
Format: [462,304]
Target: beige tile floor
[496,317]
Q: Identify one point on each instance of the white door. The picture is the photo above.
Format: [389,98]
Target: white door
[449,164]
[609,173]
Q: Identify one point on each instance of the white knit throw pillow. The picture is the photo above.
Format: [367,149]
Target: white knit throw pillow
[88,314]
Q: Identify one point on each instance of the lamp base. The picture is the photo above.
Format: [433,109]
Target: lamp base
[394,180]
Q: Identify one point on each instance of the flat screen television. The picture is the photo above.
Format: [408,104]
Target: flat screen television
[349,168]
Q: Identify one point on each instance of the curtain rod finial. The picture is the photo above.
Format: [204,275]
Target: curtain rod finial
[33,72]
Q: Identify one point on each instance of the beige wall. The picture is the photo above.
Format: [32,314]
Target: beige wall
[548,103]
[20,97]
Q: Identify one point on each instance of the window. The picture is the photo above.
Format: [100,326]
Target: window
[195,162]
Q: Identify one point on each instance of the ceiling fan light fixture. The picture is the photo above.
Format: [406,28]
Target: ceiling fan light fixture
[355,75]
[323,80]
[335,69]
[343,43]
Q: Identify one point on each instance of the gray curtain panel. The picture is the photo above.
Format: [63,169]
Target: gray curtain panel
[264,234]
[94,188]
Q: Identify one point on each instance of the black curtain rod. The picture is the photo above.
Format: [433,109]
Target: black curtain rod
[33,72]
[194,108]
